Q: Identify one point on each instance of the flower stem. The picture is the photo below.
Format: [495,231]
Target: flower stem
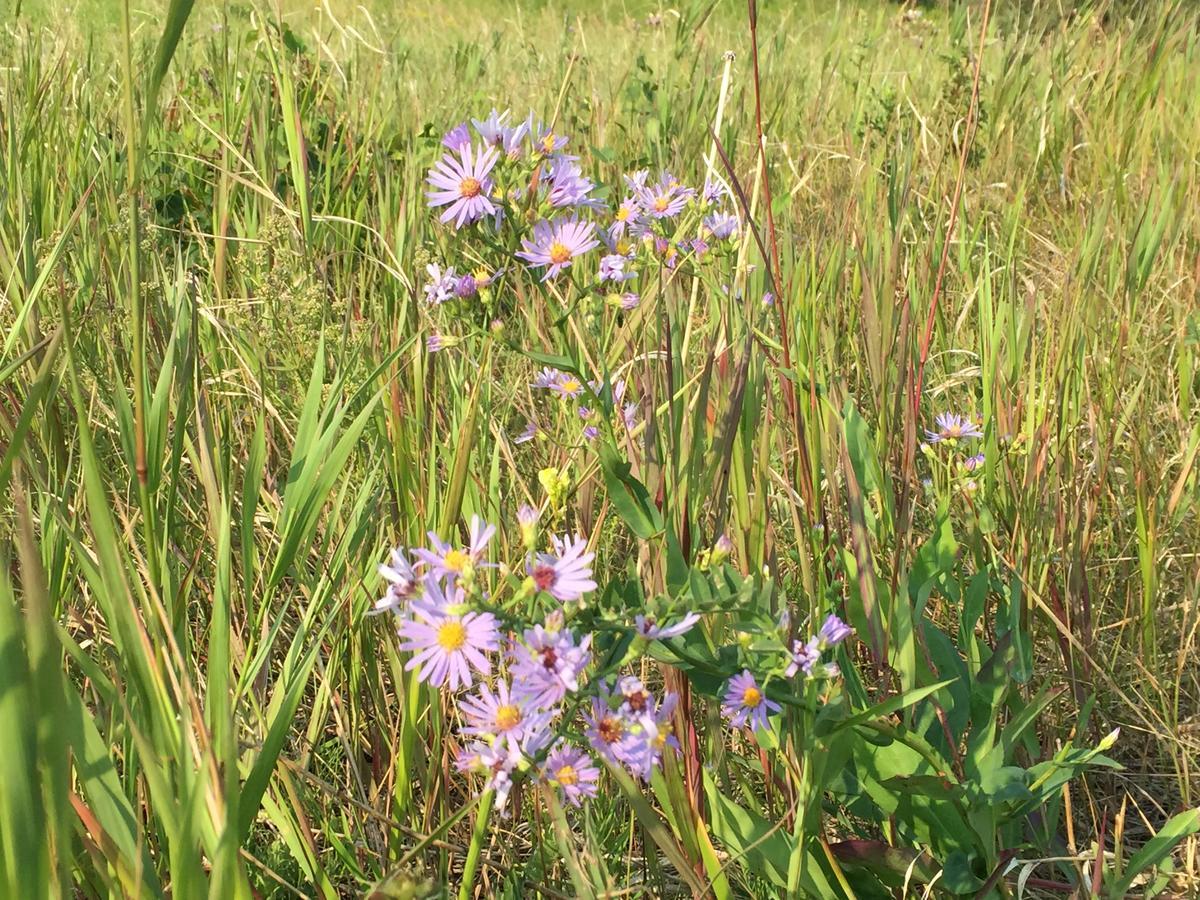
[472,865]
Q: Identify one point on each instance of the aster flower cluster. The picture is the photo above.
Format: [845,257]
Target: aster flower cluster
[517,199]
[526,685]
[512,648]
[956,433]
[746,704]
[580,402]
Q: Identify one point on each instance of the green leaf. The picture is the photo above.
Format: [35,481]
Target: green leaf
[1157,848]
[892,704]
[629,495]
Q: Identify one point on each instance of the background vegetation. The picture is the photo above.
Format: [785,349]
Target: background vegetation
[218,413]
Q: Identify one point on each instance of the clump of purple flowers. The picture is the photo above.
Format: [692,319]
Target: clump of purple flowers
[806,654]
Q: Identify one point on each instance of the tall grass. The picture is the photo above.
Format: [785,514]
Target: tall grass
[217,413]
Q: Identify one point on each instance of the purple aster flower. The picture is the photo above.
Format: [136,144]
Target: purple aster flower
[629,416]
[621,245]
[496,132]
[971,463]
[804,657]
[699,247]
[714,190]
[556,244]
[636,700]
[564,574]
[768,299]
[745,705]
[952,427]
[547,378]
[612,268]
[636,181]
[441,285]
[567,386]
[567,184]
[668,251]
[470,757]
[532,430]
[721,225]
[548,664]
[457,138]
[447,647]
[500,714]
[403,583]
[545,141]
[833,631]
[436,343]
[630,301]
[463,184]
[649,628]
[466,286]
[590,432]
[497,761]
[573,771]
[664,199]
[647,723]
[662,718]
[613,737]
[445,561]
[625,216]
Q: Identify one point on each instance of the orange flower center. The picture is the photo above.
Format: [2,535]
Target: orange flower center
[661,203]
[508,717]
[752,697]
[567,776]
[470,187]
[559,252]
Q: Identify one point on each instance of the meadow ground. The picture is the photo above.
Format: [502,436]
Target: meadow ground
[232,383]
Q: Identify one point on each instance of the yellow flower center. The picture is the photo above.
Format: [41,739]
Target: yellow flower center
[508,717]
[623,247]
[451,635]
[559,252]
[456,560]
[752,697]
[566,776]
[571,385]
[661,202]
[469,187]
[622,214]
[548,142]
